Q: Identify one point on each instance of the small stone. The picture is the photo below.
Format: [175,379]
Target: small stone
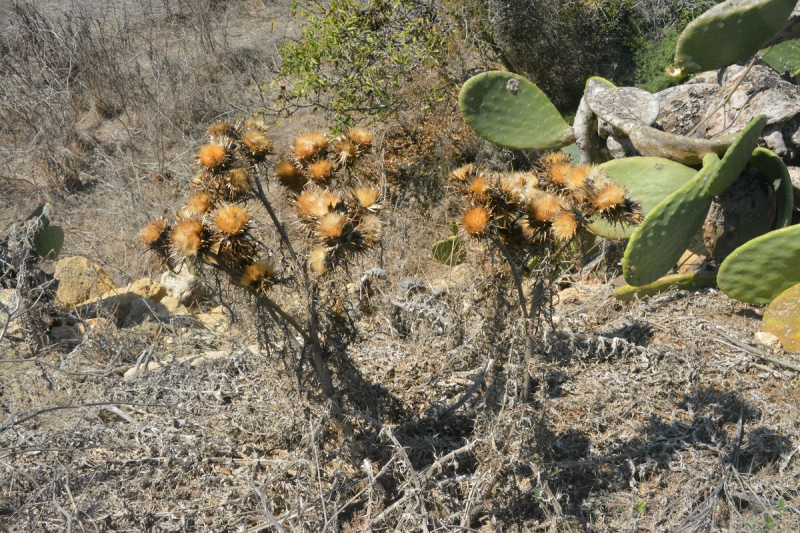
[188,289]
[768,339]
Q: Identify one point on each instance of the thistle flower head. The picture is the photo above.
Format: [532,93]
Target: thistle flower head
[543,206]
[289,175]
[475,220]
[316,203]
[321,170]
[464,173]
[554,158]
[254,275]
[565,225]
[238,181]
[222,128]
[212,156]
[310,145]
[361,137]
[370,228]
[199,204]
[153,232]
[346,151]
[319,260]
[480,187]
[232,220]
[608,195]
[188,237]
[331,225]
[256,142]
[366,196]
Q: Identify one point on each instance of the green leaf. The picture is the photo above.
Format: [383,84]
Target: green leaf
[450,252]
[48,241]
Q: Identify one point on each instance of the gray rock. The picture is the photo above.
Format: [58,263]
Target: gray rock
[188,289]
[623,107]
[145,309]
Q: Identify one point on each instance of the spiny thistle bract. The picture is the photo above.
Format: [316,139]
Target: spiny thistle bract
[553,203]
[213,227]
[334,206]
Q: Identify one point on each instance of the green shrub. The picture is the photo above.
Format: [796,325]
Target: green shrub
[354,56]
[652,59]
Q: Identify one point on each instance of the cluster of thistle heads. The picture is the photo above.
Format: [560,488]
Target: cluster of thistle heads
[552,203]
[214,225]
[337,209]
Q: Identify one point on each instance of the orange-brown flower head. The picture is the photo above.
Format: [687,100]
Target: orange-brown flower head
[362,138]
[212,156]
[366,196]
[565,224]
[315,203]
[220,129]
[238,181]
[608,195]
[256,124]
[480,187]
[319,260]
[545,205]
[577,179]
[153,232]
[257,142]
[289,175]
[188,237]
[560,173]
[310,145]
[256,273]
[321,170]
[464,173]
[346,152]
[331,225]
[371,229]
[476,220]
[554,158]
[199,204]
[232,220]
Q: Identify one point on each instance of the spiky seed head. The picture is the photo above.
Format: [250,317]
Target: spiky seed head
[371,229]
[153,232]
[560,172]
[238,182]
[608,195]
[187,237]
[577,178]
[256,273]
[366,196]
[220,129]
[346,151]
[213,155]
[554,158]
[199,204]
[321,170]
[361,137]
[476,220]
[257,142]
[543,206]
[289,175]
[310,145]
[331,225]
[464,173]
[480,187]
[330,200]
[319,260]
[232,220]
[256,124]
[565,224]
[316,203]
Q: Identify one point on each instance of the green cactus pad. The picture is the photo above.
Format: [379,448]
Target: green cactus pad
[48,241]
[784,57]
[450,252]
[659,241]
[761,269]
[688,151]
[772,166]
[782,318]
[649,180]
[510,111]
[690,281]
[730,32]
[736,157]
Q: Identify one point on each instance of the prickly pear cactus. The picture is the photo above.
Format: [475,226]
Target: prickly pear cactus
[761,269]
[784,57]
[450,251]
[649,179]
[773,168]
[690,281]
[737,156]
[510,111]
[782,318]
[730,32]
[47,239]
[666,232]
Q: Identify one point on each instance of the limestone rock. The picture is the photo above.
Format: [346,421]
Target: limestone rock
[119,301]
[144,309]
[768,339]
[174,305]
[217,319]
[9,301]
[188,289]
[79,280]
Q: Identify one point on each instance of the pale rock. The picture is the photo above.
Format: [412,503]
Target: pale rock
[768,339]
[8,302]
[79,280]
[217,319]
[143,309]
[174,306]
[188,289]
[118,301]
